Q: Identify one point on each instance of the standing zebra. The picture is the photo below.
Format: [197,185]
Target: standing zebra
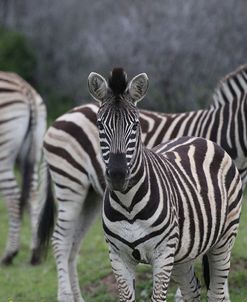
[163,206]
[22,127]
[71,147]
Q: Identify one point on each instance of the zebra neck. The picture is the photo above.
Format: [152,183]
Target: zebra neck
[135,203]
[138,165]
[137,180]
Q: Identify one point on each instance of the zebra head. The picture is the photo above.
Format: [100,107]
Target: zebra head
[118,122]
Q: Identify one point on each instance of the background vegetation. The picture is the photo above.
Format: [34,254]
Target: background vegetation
[184,46]
[16,54]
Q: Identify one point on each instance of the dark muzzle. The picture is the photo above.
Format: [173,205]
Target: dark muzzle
[117,172]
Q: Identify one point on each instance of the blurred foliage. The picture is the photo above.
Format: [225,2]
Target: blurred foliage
[57,104]
[16,55]
[185,47]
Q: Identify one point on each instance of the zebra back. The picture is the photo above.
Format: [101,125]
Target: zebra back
[223,122]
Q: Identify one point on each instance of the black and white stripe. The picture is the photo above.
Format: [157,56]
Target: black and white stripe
[164,206]
[73,153]
[22,127]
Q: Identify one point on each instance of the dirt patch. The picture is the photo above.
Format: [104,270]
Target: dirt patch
[239,264]
[108,282]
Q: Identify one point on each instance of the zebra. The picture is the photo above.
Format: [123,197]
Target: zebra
[164,206]
[22,128]
[71,147]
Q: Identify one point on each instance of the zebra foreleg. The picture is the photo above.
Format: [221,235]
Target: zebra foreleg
[178,296]
[124,271]
[162,269]
[184,275]
[11,194]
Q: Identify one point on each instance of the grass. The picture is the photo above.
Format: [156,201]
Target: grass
[23,283]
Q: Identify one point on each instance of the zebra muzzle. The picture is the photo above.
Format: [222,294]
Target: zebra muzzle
[117,172]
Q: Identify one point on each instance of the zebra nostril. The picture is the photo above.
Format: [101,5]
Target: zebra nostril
[107,172]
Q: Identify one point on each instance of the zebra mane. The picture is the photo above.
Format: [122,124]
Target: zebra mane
[240,70]
[238,77]
[118,81]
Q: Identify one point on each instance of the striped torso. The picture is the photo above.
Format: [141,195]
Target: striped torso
[181,195]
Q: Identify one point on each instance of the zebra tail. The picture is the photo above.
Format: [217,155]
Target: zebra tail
[206,272]
[46,221]
[28,162]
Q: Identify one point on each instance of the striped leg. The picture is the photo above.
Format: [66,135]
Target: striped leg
[90,209]
[70,203]
[34,212]
[12,138]
[226,290]
[219,255]
[184,275]
[179,297]
[219,266]
[11,193]
[124,271]
[162,269]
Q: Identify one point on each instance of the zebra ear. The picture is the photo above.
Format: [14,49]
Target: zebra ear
[138,87]
[97,86]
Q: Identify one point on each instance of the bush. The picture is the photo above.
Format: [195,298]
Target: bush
[16,54]
[57,104]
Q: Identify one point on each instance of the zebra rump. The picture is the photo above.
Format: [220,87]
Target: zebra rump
[22,124]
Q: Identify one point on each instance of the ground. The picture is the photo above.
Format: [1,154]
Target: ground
[23,283]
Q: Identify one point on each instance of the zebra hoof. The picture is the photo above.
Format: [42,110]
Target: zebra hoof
[35,257]
[8,259]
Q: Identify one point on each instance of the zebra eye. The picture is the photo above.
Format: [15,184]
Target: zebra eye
[135,126]
[100,125]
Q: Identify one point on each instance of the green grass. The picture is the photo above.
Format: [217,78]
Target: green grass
[23,283]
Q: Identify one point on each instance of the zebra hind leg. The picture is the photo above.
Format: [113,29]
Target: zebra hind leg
[184,275]
[89,211]
[62,243]
[70,207]
[219,266]
[11,194]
